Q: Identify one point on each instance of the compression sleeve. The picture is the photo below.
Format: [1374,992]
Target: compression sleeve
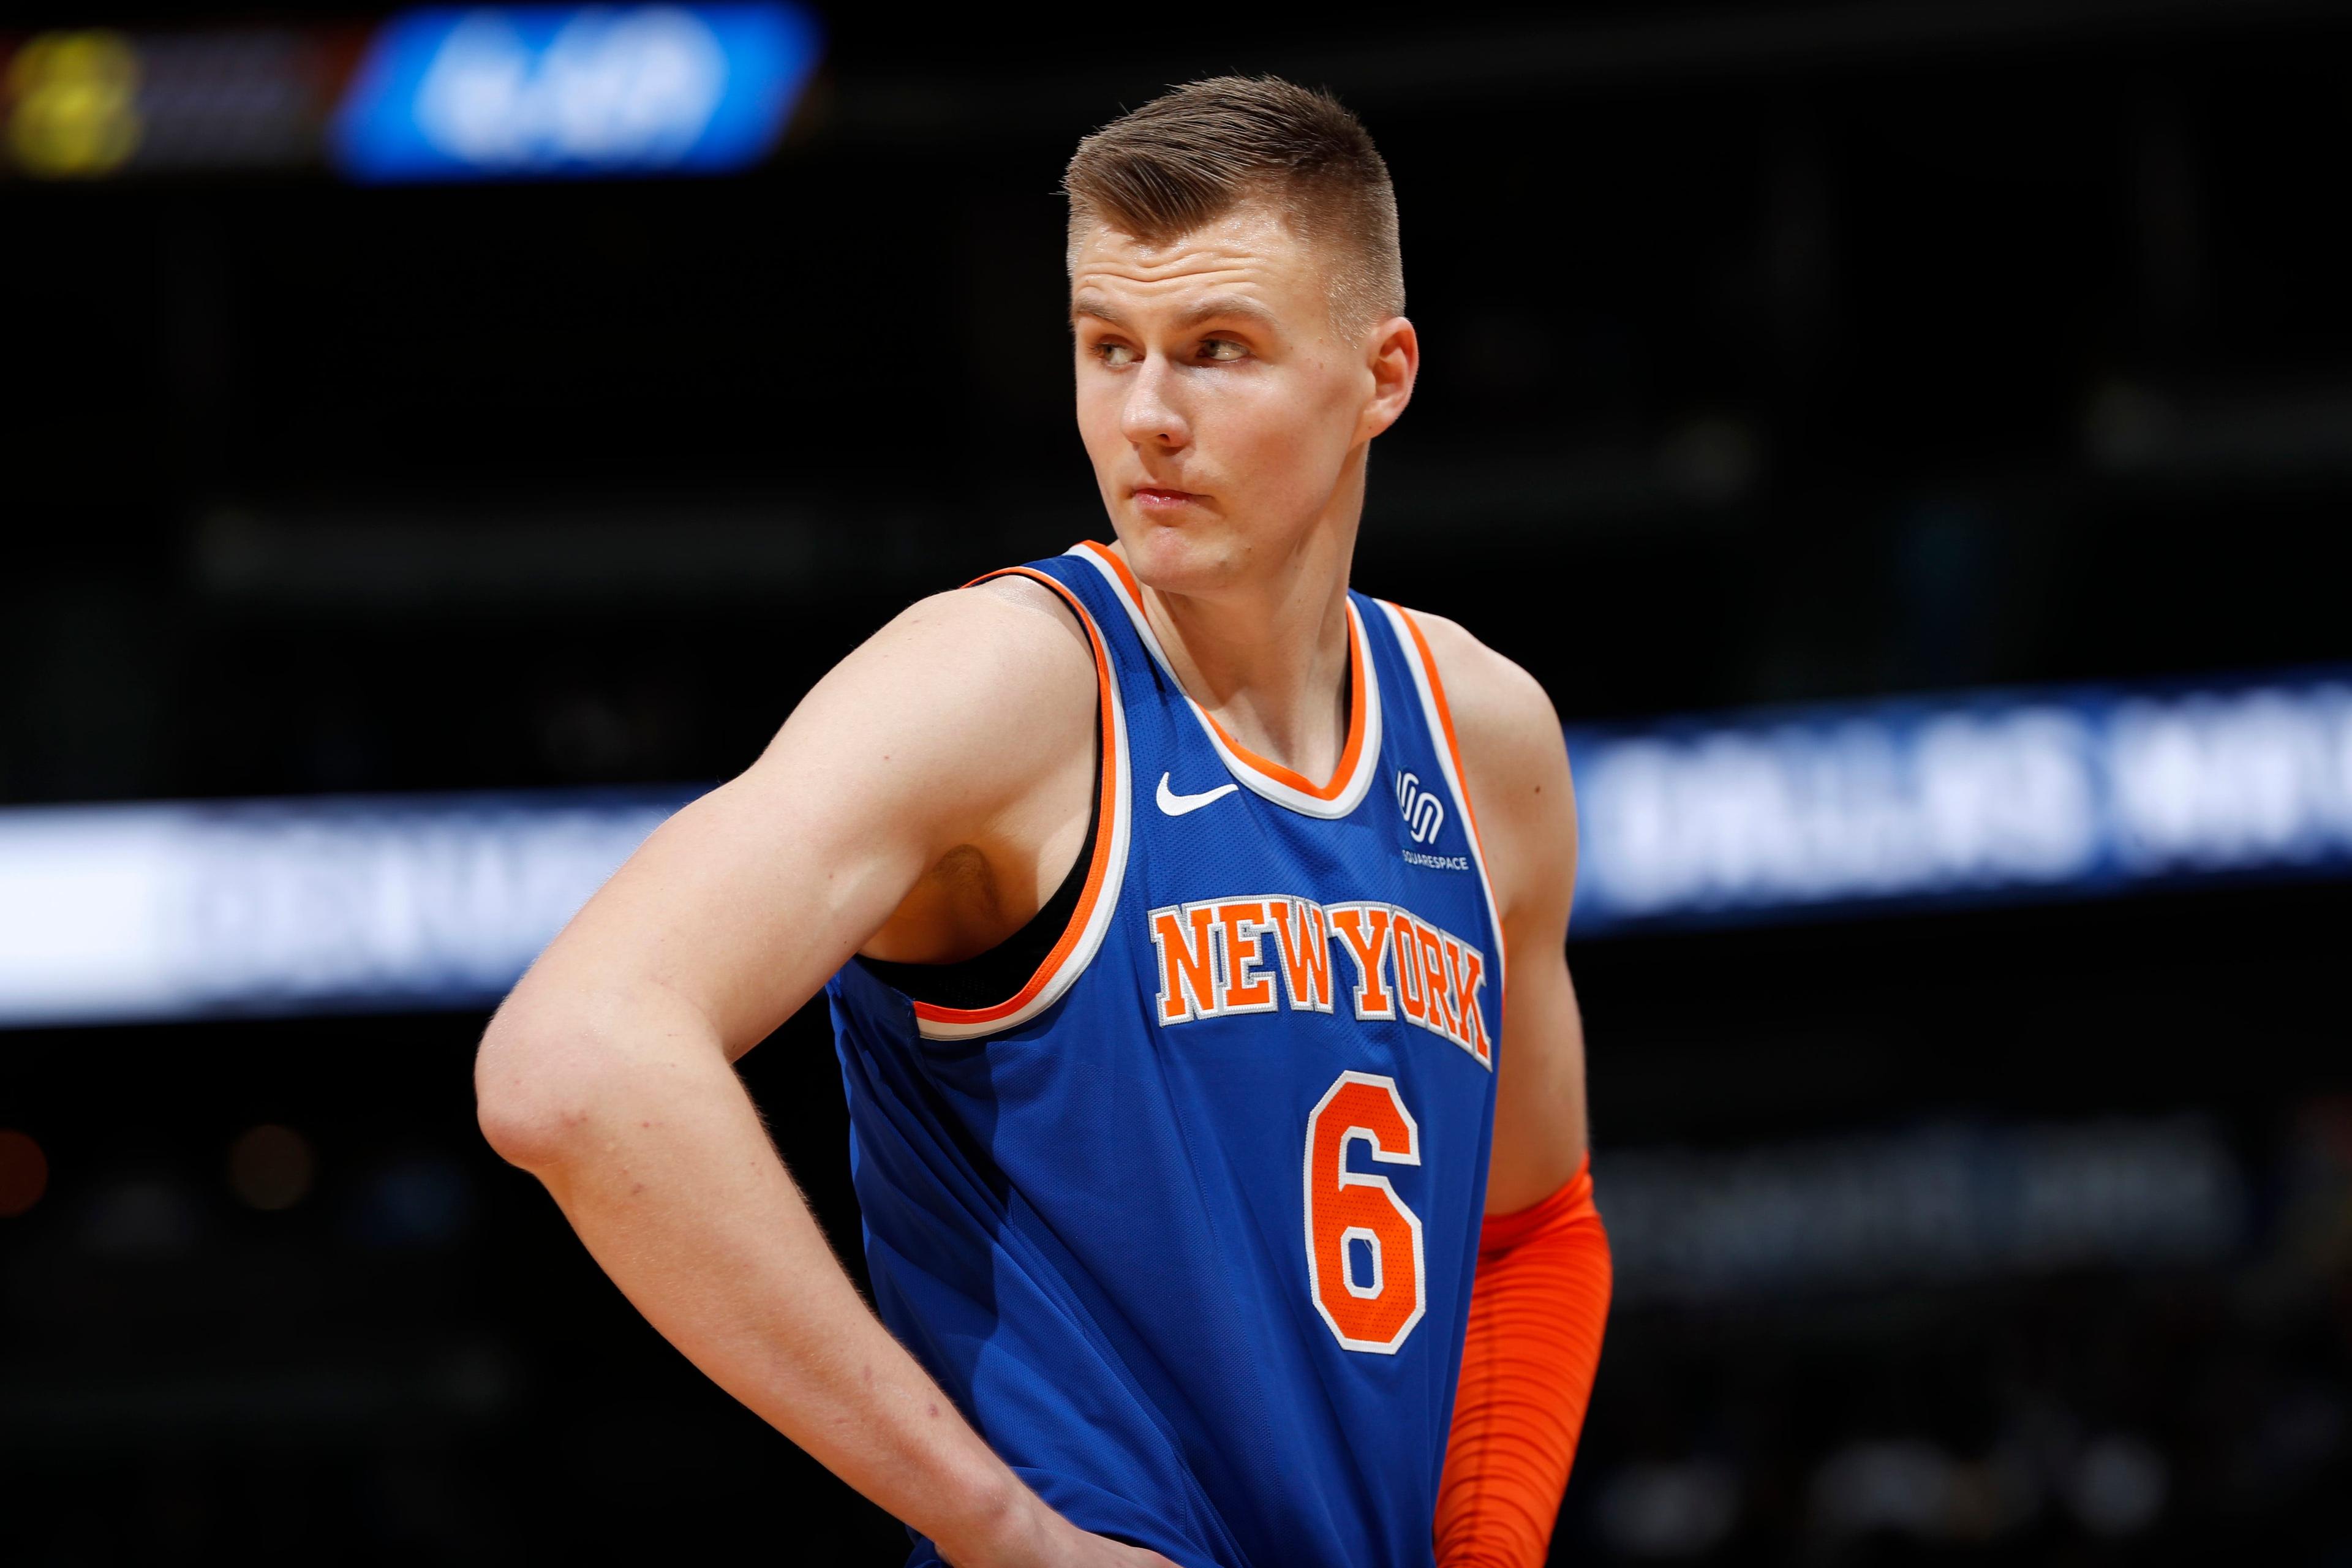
[1537,1308]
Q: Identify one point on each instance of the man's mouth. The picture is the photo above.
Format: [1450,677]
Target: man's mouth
[1161,498]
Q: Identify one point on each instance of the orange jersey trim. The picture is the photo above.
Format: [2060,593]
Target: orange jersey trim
[1098,868]
[1444,719]
[1462,778]
[1348,754]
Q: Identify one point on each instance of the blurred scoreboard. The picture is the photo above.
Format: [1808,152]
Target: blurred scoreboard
[427,95]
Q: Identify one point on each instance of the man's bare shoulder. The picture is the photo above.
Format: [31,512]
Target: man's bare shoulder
[1029,595]
[1007,625]
[1001,654]
[967,697]
[1503,718]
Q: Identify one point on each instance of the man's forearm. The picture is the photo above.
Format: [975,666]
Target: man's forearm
[648,1142]
[1538,1308]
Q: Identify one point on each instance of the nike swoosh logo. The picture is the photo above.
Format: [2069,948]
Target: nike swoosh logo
[1176,804]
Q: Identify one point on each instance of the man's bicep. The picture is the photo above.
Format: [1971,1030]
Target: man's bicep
[1519,785]
[742,904]
[731,908]
[1540,1113]
[1539,1118]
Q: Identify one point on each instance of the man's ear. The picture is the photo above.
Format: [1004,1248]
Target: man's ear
[1392,352]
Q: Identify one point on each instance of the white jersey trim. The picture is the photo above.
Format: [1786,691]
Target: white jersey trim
[1441,739]
[1257,782]
[1117,822]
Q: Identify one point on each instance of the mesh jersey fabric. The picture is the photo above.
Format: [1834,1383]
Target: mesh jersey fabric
[1188,1233]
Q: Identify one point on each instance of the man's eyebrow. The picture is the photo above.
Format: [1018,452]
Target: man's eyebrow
[1226,305]
[1217,305]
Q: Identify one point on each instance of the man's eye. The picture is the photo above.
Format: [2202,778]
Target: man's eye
[1222,349]
[1114,354]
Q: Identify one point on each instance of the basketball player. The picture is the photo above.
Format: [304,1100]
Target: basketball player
[1192,929]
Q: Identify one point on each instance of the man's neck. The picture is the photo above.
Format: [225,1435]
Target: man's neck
[1268,657]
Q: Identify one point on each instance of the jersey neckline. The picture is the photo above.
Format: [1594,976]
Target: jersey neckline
[1360,754]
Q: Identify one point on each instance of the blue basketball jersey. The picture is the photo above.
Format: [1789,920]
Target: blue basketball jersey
[1186,1226]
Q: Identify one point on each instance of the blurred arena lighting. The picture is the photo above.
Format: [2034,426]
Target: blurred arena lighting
[1906,1489]
[141,1219]
[339,904]
[270,1167]
[1899,1487]
[1993,797]
[24,1173]
[420,1200]
[1669,1508]
[1929,1205]
[174,911]
[458,94]
[434,94]
[578,556]
[2118,1485]
[295,1392]
[2241,436]
[1685,474]
[81,105]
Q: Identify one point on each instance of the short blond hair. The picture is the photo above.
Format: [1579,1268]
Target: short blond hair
[1197,151]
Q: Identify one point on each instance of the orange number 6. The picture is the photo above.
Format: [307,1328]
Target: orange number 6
[1345,1205]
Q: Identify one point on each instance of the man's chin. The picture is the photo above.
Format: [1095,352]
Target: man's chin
[1180,556]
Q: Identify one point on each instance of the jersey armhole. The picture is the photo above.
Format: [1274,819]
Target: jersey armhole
[980,981]
[1102,859]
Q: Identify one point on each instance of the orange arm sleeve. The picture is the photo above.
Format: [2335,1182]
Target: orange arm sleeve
[1537,1308]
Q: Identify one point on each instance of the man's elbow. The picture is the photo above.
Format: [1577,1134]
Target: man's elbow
[538,1079]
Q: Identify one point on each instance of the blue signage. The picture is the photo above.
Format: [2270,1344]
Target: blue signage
[1993,796]
[118,913]
[549,91]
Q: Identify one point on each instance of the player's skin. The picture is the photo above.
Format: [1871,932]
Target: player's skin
[929,795]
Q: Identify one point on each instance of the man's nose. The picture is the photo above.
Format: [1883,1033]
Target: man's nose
[1152,416]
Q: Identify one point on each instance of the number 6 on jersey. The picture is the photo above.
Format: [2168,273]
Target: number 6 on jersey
[1376,1308]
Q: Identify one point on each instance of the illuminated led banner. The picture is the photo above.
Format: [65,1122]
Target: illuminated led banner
[110,912]
[113,912]
[538,90]
[1990,797]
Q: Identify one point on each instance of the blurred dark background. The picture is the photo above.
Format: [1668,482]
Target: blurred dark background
[1774,353]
